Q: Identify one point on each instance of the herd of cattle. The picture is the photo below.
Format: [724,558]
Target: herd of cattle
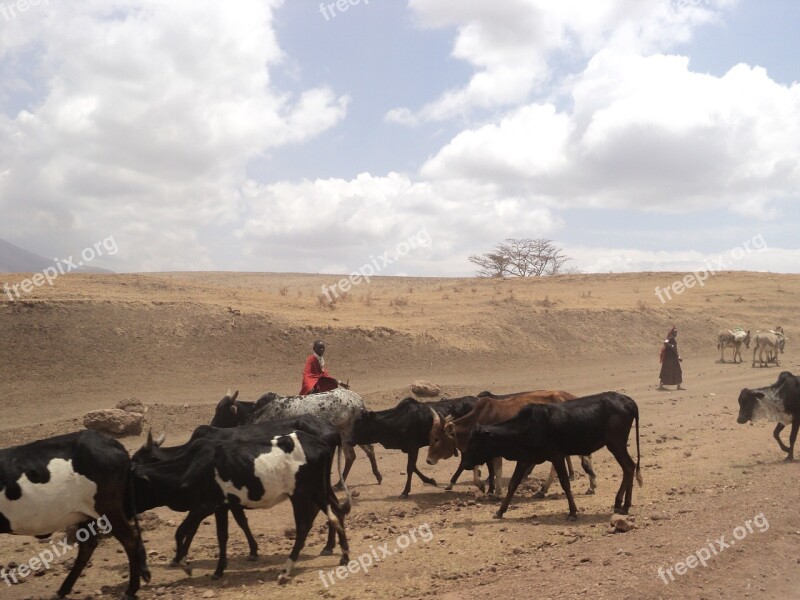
[767,343]
[256,454]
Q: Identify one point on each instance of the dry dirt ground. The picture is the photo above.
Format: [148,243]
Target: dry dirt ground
[179,341]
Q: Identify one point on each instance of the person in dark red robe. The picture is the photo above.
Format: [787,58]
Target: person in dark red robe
[671,372]
[315,377]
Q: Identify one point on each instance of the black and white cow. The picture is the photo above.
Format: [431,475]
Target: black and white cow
[407,427]
[152,452]
[212,474]
[340,407]
[778,402]
[74,479]
[551,432]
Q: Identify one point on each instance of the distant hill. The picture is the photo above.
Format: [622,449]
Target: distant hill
[14,259]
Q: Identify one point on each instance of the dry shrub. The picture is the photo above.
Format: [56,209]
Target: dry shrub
[283,290]
[546,302]
[398,301]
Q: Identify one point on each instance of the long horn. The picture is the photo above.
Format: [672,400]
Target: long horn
[160,440]
[436,416]
[148,444]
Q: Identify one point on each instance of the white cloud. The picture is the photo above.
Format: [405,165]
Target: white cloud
[646,133]
[150,113]
[511,44]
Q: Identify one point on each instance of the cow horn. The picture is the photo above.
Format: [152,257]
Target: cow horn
[148,444]
[437,418]
[235,395]
[159,440]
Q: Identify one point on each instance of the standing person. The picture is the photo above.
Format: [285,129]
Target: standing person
[315,377]
[671,372]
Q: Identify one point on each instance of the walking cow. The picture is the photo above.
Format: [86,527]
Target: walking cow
[71,479]
[778,402]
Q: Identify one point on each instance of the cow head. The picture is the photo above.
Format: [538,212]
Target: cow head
[365,429]
[442,439]
[479,448]
[748,402]
[149,452]
[227,412]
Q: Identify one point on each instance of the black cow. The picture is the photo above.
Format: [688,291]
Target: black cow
[407,427]
[72,479]
[551,432]
[152,453]
[778,402]
[211,474]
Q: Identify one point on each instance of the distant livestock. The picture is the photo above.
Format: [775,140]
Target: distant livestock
[778,402]
[74,479]
[769,342]
[551,432]
[733,339]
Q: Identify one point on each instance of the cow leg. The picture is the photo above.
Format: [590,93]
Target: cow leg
[625,461]
[513,484]
[337,510]
[85,551]
[551,476]
[349,458]
[563,479]
[497,476]
[305,510]
[184,536]
[490,466]
[456,475]
[792,438]
[131,541]
[586,464]
[370,452]
[570,469]
[425,479]
[241,521]
[777,435]
[221,517]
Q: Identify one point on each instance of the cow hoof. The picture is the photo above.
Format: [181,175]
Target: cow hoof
[125,596]
[539,494]
[404,495]
[589,492]
[326,552]
[216,576]
[344,560]
[252,557]
[283,579]
[432,482]
[339,487]
[497,515]
[379,478]
[448,487]
[572,517]
[788,459]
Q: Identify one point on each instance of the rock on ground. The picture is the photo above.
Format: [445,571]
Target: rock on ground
[115,421]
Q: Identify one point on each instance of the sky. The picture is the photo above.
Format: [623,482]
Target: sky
[271,135]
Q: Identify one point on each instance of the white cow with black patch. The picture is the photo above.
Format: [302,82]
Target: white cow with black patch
[340,407]
[778,402]
[72,479]
[214,474]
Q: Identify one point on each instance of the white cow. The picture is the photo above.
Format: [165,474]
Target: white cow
[770,342]
[733,339]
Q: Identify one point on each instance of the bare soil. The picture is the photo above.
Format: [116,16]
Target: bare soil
[179,341]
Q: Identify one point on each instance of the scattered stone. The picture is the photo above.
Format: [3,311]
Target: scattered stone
[621,523]
[425,388]
[132,405]
[114,421]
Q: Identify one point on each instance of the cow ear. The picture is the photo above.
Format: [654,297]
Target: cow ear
[448,419]
[449,428]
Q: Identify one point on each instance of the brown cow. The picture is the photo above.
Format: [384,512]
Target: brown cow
[448,436]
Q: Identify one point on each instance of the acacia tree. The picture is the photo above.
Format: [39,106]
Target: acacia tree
[521,258]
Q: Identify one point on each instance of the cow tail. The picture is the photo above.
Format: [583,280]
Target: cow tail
[130,498]
[638,453]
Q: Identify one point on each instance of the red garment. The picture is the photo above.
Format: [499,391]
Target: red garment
[315,379]
[664,345]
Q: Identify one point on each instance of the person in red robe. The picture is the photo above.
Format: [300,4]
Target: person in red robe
[315,377]
[671,372]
